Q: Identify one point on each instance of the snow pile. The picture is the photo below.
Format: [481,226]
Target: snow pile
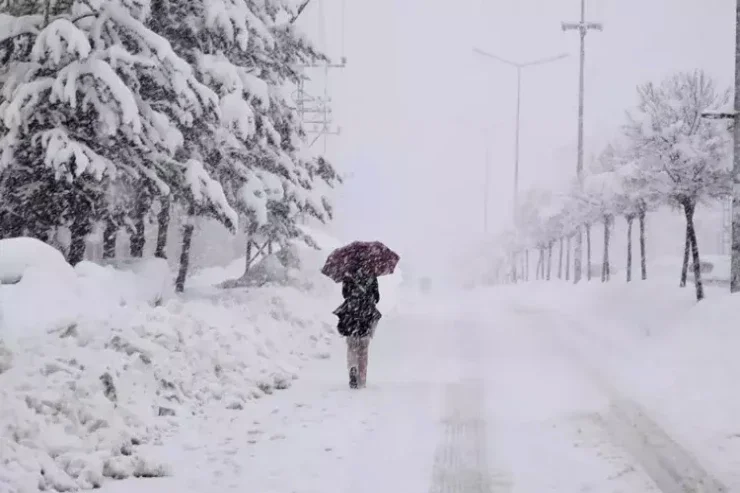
[98,365]
[67,294]
[17,255]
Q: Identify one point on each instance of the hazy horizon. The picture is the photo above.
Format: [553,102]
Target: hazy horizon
[414,101]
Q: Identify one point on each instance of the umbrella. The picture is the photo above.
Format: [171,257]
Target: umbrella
[373,257]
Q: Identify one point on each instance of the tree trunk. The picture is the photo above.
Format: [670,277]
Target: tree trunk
[11,226]
[560,261]
[686,250]
[79,229]
[630,219]
[643,256]
[567,261]
[187,238]
[689,209]
[249,255]
[138,237]
[513,267]
[110,234]
[525,266]
[549,260]
[251,232]
[542,263]
[605,271]
[40,234]
[588,251]
[538,268]
[163,224]
[578,257]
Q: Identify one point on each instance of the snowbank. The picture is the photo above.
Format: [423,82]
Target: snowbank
[17,255]
[98,365]
[51,296]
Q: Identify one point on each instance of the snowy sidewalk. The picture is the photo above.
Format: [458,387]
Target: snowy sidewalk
[466,400]
[319,436]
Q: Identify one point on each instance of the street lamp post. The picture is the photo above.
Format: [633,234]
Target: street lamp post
[583,28]
[519,67]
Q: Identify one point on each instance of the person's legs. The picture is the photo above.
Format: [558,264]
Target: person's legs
[351,351]
[353,359]
[362,355]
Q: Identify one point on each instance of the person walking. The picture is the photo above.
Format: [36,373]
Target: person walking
[358,318]
[357,267]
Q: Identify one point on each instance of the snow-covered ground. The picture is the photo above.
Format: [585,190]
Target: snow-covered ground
[529,388]
[539,387]
[658,347]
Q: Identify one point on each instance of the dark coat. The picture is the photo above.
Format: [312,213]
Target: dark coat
[359,314]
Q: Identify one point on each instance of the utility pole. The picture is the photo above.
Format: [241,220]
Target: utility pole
[519,67]
[583,28]
[735,265]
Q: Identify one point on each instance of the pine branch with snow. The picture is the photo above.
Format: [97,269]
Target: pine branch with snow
[249,56]
[99,98]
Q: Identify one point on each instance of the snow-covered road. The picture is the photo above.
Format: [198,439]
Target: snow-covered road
[453,405]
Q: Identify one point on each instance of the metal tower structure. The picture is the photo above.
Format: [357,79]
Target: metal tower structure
[315,111]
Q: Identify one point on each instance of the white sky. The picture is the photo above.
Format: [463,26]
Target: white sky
[414,101]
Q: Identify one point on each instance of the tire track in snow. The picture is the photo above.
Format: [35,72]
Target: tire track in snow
[461,460]
[673,468]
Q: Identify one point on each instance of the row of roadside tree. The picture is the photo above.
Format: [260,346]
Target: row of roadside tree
[667,154]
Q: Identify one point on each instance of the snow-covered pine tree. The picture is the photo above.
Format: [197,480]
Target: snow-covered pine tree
[684,154]
[248,53]
[92,109]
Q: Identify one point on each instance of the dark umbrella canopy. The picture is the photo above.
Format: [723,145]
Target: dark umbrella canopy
[372,257]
